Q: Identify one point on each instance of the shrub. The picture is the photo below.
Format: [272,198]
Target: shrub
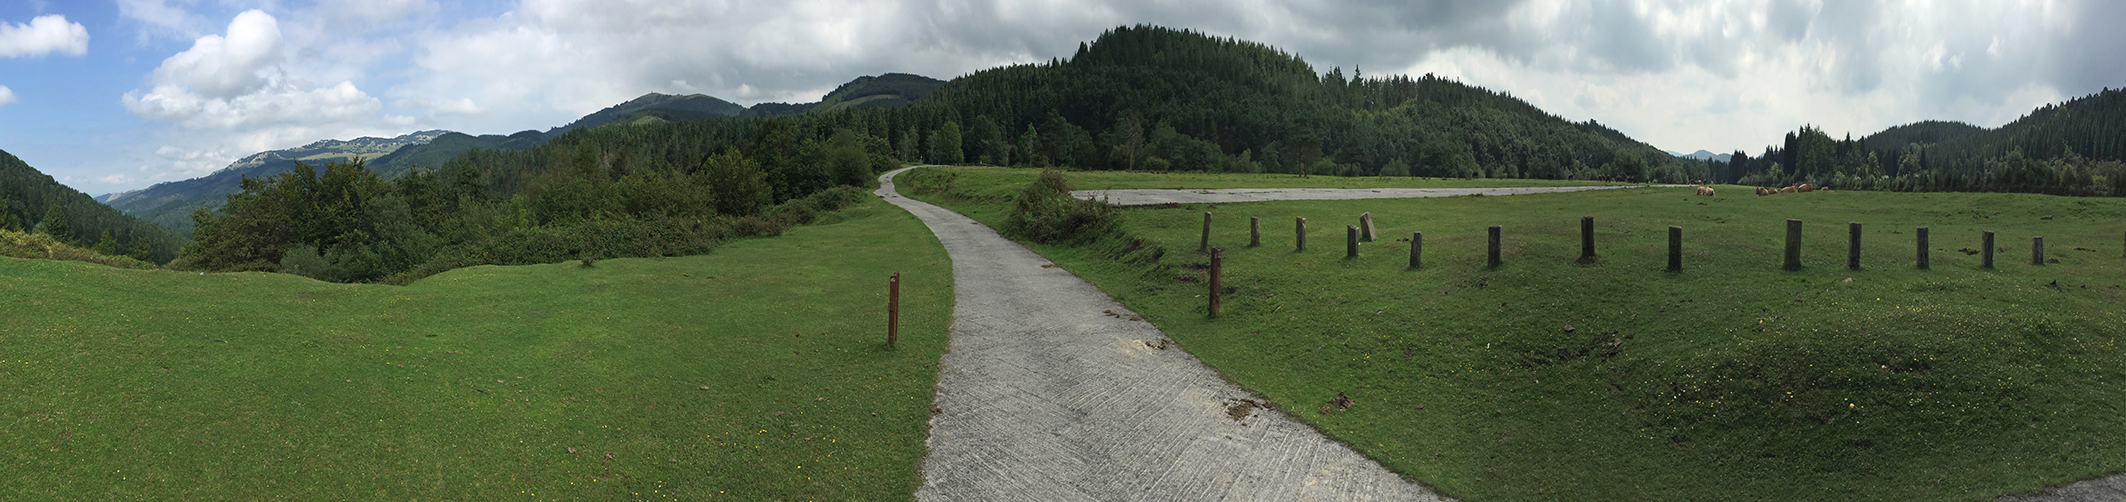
[37,246]
[1045,212]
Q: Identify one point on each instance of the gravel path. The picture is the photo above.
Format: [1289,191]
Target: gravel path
[2105,489]
[1050,390]
[1153,196]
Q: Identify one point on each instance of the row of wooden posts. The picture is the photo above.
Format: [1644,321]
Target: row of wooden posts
[1364,229]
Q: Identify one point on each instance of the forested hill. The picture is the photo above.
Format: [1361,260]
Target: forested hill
[32,201]
[1139,93]
[2091,127]
[2072,148]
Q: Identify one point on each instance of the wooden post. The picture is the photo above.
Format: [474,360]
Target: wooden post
[1793,244]
[1675,248]
[1587,254]
[1206,244]
[1350,241]
[1494,245]
[1299,227]
[1852,247]
[1986,252]
[1417,249]
[1922,248]
[1254,231]
[893,309]
[1216,272]
[1365,226]
[2037,251]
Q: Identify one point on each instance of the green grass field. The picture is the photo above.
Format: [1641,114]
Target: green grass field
[757,372]
[1732,380]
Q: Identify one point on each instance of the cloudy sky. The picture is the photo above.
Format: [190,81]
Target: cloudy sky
[115,95]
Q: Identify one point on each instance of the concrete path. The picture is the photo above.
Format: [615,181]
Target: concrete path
[1152,196]
[1051,390]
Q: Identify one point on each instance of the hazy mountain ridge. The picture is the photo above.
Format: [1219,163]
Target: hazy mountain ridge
[171,203]
[1702,155]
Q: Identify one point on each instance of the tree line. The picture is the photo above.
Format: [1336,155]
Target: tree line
[1141,98]
[619,191]
[2071,148]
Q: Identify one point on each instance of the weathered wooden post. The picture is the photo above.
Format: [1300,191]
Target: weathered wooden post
[1365,226]
[1675,248]
[1587,254]
[1254,231]
[893,309]
[1206,244]
[1216,272]
[1494,245]
[1350,241]
[1299,227]
[1793,244]
[1986,252]
[1922,247]
[1852,247]
[2037,250]
[1417,249]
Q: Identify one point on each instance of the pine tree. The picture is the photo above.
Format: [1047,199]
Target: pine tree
[54,224]
[107,245]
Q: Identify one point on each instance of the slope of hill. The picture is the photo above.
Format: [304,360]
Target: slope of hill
[2087,127]
[2077,147]
[27,196]
[1174,90]
[702,105]
[1921,133]
[170,204]
[447,146]
[891,90]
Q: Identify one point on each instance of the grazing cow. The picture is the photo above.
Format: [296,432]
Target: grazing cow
[1705,191]
[1787,190]
[1805,188]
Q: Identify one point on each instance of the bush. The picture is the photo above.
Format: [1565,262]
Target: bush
[37,246]
[1045,212]
[304,261]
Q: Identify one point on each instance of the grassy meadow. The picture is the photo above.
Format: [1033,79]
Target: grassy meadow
[1546,379]
[757,372]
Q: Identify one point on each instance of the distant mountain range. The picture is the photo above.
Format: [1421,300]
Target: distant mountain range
[170,204]
[1702,155]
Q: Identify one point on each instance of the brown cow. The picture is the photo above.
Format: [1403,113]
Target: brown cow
[1762,191]
[1705,191]
[1805,188]
[1787,190]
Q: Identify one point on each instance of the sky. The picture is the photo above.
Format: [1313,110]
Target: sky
[117,95]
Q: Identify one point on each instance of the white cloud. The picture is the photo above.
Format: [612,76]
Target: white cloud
[245,91]
[162,19]
[7,96]
[236,82]
[43,35]
[228,66]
